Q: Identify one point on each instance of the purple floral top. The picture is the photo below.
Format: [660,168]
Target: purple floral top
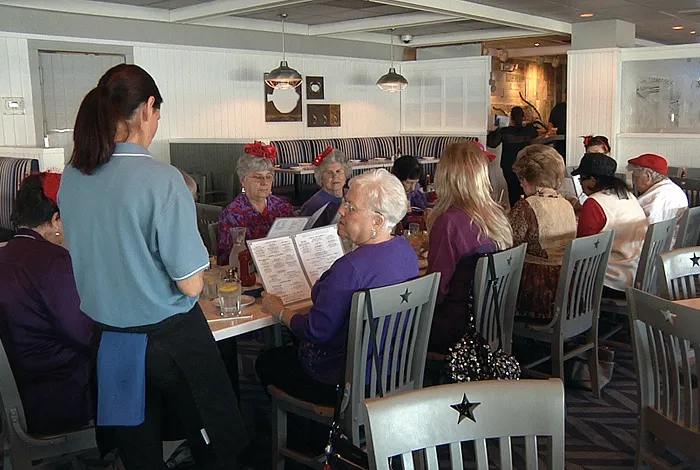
[241,213]
[417,199]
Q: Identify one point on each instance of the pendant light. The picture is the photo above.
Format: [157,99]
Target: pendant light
[283,77]
[392,81]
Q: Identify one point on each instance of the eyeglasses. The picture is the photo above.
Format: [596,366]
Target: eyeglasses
[339,171]
[352,209]
[261,179]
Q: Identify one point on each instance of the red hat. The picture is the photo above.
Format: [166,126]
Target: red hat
[490,155]
[651,161]
[258,149]
[324,154]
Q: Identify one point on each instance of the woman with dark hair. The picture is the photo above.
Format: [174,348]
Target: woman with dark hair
[611,206]
[514,138]
[409,171]
[45,335]
[138,260]
[596,144]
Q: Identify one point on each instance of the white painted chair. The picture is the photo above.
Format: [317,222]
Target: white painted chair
[679,273]
[665,337]
[412,425]
[408,307]
[22,450]
[207,214]
[689,229]
[577,307]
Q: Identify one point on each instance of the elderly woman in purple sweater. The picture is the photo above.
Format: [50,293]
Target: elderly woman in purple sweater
[374,204]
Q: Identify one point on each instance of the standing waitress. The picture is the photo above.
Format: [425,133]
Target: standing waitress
[138,260]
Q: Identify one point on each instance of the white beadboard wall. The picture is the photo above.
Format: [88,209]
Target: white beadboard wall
[681,150]
[16,130]
[592,94]
[219,94]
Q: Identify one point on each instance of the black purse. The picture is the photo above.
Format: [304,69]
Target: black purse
[341,453]
[471,358]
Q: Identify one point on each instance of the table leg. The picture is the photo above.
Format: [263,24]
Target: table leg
[297,187]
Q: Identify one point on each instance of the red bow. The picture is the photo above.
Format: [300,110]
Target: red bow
[324,154]
[587,140]
[50,182]
[257,149]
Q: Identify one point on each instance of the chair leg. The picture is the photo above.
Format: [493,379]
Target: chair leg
[593,365]
[279,437]
[558,357]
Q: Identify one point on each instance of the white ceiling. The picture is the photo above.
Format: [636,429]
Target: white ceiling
[430,22]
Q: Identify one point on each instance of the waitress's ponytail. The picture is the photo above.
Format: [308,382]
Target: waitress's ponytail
[94,132]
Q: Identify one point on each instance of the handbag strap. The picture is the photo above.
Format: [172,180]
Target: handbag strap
[492,286]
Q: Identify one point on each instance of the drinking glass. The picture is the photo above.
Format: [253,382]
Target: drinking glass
[237,245]
[211,283]
[229,297]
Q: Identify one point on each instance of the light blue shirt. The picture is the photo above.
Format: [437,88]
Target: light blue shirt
[132,233]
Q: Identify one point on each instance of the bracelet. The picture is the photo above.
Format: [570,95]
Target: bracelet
[279,316]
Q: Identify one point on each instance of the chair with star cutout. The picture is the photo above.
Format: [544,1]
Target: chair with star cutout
[576,309]
[403,314]
[679,273]
[689,228]
[497,424]
[665,341]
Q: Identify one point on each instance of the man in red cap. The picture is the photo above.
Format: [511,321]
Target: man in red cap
[661,198]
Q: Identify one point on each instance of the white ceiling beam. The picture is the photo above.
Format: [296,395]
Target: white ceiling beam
[369,37]
[639,42]
[533,51]
[380,23]
[253,24]
[226,8]
[85,7]
[489,14]
[471,36]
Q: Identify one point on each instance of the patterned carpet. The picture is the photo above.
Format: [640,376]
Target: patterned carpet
[600,433]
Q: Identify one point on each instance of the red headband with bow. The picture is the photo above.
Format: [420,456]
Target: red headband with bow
[588,138]
[258,149]
[50,182]
[324,154]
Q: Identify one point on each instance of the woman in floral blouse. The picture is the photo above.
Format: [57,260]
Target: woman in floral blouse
[255,208]
[544,220]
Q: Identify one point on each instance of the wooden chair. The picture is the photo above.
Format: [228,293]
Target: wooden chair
[691,187]
[207,214]
[402,355]
[665,336]
[213,237]
[23,450]
[508,265]
[207,195]
[689,228]
[577,306]
[679,273]
[412,425]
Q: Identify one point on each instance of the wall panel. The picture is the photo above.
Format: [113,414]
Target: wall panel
[219,94]
[592,84]
[18,129]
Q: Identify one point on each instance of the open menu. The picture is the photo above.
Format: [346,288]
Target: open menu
[289,266]
[284,226]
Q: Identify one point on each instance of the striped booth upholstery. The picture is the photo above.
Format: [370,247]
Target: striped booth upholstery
[12,172]
[299,151]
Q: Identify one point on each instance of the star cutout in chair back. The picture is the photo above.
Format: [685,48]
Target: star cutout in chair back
[695,259]
[510,260]
[405,295]
[465,409]
[597,242]
[669,317]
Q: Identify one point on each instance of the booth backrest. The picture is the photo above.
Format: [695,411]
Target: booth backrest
[359,148]
[12,172]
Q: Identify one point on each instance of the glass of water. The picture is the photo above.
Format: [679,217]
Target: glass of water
[229,297]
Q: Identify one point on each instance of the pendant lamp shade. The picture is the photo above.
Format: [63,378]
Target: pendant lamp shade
[283,77]
[392,82]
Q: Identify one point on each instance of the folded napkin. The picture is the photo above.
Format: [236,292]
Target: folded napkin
[121,379]
[288,165]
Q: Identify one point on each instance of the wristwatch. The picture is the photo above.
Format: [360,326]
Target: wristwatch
[279,316]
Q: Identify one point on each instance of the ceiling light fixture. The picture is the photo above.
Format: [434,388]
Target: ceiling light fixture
[692,32]
[586,15]
[537,44]
[283,77]
[677,28]
[392,81]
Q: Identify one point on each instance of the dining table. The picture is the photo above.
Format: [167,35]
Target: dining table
[251,318]
[693,303]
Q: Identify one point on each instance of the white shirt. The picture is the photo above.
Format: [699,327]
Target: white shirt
[663,201]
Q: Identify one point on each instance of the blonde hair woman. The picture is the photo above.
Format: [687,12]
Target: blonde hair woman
[465,223]
[544,220]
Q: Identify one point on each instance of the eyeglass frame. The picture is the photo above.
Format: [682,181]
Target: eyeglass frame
[262,179]
[352,209]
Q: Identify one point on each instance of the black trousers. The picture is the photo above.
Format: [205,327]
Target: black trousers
[514,188]
[187,390]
